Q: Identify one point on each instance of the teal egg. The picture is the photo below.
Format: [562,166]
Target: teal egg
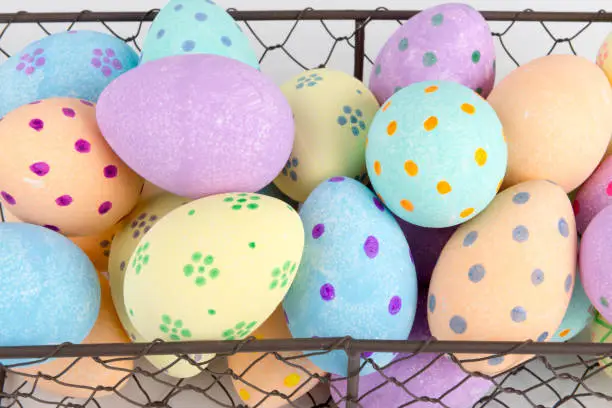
[579,314]
[436,154]
[196,27]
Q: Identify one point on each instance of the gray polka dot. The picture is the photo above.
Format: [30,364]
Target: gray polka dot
[520,233]
[495,361]
[470,238]
[458,324]
[521,198]
[476,273]
[518,314]
[537,277]
[432,303]
[563,227]
[568,283]
[542,337]
[188,45]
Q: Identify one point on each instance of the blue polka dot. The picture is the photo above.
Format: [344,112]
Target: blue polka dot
[542,337]
[311,84]
[201,16]
[362,125]
[403,44]
[354,119]
[342,120]
[518,314]
[188,45]
[300,85]
[358,112]
[226,41]
[563,227]
[313,75]
[347,109]
[521,198]
[161,33]
[476,273]
[568,283]
[537,277]
[355,130]
[178,7]
[293,175]
[458,324]
[301,79]
[378,69]
[294,161]
[359,92]
[211,2]
[520,233]
[432,303]
[495,361]
[470,238]
[285,171]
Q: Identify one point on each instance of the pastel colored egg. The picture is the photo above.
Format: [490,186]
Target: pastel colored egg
[269,373]
[604,57]
[332,112]
[236,135]
[356,277]
[601,332]
[76,64]
[236,249]
[49,288]
[594,195]
[57,170]
[450,42]
[557,117]
[508,274]
[75,378]
[436,154]
[578,315]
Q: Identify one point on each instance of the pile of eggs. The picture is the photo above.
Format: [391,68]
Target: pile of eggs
[155,197]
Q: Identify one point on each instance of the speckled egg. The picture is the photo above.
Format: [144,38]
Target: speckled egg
[196,27]
[601,332]
[449,42]
[332,112]
[58,171]
[578,315]
[356,278]
[75,64]
[49,289]
[436,154]
[604,57]
[594,195]
[235,135]
[508,274]
[557,117]
[269,373]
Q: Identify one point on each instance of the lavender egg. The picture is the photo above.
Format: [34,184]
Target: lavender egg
[594,195]
[449,42]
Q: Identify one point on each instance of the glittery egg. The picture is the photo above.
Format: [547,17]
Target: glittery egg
[332,112]
[76,64]
[557,117]
[601,332]
[49,288]
[508,274]
[436,154]
[578,315]
[257,371]
[449,42]
[196,27]
[235,135]
[594,195]
[356,278]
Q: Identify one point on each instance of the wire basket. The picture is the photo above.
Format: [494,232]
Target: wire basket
[560,374]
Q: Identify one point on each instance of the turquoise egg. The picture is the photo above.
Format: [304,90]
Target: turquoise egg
[196,27]
[49,289]
[579,314]
[75,64]
[436,154]
[356,278]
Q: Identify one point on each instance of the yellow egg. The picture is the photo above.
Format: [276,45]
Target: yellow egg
[601,332]
[268,373]
[333,112]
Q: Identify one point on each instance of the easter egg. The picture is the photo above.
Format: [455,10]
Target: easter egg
[76,64]
[78,377]
[267,372]
[236,134]
[601,332]
[436,154]
[604,57]
[57,170]
[49,288]
[236,249]
[196,27]
[594,195]
[557,117]
[356,277]
[578,315]
[516,261]
[332,112]
[450,42]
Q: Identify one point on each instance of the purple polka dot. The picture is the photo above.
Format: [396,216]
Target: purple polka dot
[366,354]
[110,52]
[37,124]
[39,51]
[72,32]
[40,168]
[10,200]
[63,201]
[318,230]
[134,224]
[395,305]
[96,62]
[82,146]
[136,234]
[98,52]
[147,229]
[69,112]
[25,57]
[30,59]
[40,61]
[20,66]
[29,70]
[142,216]
[370,247]
[106,71]
[378,204]
[286,317]
[117,64]
[110,171]
[35,102]
[122,266]
[84,102]
[52,227]
[327,292]
[336,179]
[142,224]
[106,60]
[105,207]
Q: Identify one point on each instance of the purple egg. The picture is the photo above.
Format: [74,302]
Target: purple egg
[594,195]
[420,328]
[449,42]
[199,124]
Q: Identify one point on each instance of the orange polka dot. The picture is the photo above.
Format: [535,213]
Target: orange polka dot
[244,394]
[411,168]
[466,213]
[391,128]
[431,123]
[564,333]
[386,106]
[380,198]
[407,205]
[480,156]
[377,168]
[443,187]
[431,89]
[468,108]
[292,380]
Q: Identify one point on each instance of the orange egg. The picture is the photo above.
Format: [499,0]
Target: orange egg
[59,172]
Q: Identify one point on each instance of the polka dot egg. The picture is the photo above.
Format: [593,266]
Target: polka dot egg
[76,64]
[577,316]
[200,27]
[508,274]
[59,172]
[357,277]
[436,154]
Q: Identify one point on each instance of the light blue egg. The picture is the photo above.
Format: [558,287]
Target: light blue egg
[76,64]
[579,314]
[49,289]
[356,278]
[196,27]
[436,154]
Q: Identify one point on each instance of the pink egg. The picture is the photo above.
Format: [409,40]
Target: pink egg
[594,195]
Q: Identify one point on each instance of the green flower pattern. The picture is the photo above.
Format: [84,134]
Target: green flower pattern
[141,259]
[202,267]
[243,200]
[280,276]
[239,331]
[174,329]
